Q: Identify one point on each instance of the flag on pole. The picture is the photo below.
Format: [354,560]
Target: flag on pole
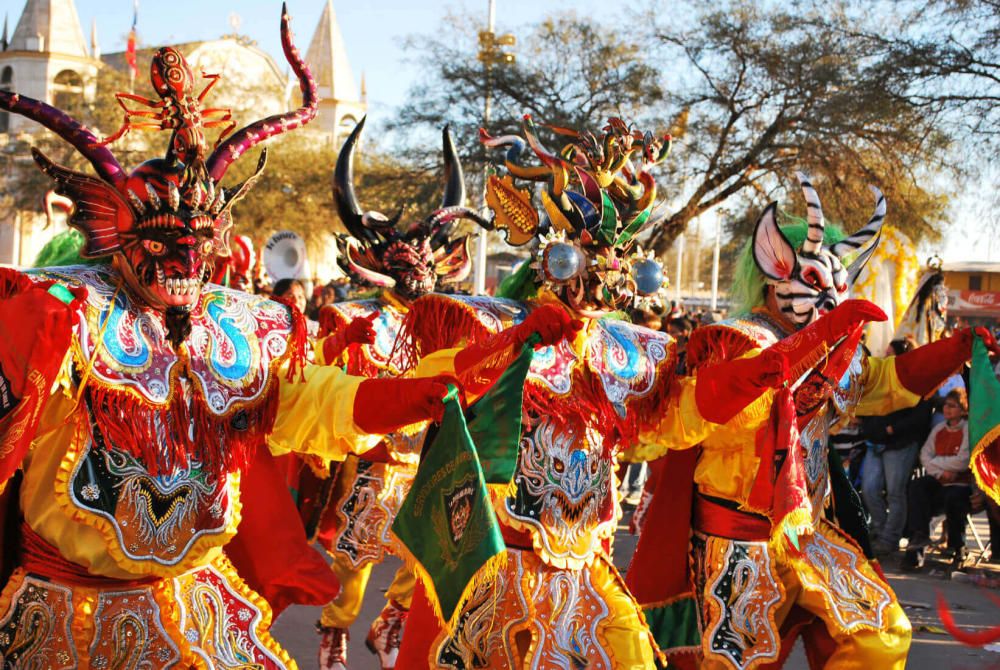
[449,533]
[984,421]
[130,48]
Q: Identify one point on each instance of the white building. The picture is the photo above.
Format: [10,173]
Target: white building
[47,58]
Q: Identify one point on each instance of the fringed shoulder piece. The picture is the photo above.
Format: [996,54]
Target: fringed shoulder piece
[728,340]
[438,321]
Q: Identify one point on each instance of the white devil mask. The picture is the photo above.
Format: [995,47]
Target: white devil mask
[813,280]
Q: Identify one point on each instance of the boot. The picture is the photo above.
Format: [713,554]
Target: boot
[913,561]
[332,647]
[385,633]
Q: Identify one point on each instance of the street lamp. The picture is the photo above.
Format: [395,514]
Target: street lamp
[491,53]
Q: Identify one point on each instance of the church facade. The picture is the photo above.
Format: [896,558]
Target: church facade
[48,58]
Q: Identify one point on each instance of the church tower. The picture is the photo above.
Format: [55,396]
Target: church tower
[340,104]
[46,58]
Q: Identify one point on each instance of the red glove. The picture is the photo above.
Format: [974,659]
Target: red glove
[922,370]
[723,390]
[358,331]
[806,347]
[384,405]
[480,365]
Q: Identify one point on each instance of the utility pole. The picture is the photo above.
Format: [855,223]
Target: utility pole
[490,53]
[680,268]
[715,262]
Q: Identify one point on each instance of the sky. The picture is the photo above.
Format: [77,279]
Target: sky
[375,32]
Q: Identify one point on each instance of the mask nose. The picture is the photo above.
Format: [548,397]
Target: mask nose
[826,303]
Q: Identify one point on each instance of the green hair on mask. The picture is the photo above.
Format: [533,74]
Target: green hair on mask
[747,292]
[64,249]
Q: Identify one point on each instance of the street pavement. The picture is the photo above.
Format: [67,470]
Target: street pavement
[932,648]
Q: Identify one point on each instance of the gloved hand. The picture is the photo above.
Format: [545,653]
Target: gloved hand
[358,331]
[384,405]
[723,390]
[550,322]
[924,369]
[361,330]
[480,365]
[804,348]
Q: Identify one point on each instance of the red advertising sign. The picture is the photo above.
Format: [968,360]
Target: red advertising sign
[974,303]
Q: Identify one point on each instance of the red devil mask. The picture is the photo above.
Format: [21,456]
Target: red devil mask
[169,219]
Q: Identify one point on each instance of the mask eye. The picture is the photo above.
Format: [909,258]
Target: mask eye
[207,247]
[811,277]
[558,465]
[154,247]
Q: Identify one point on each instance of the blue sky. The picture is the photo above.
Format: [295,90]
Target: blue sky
[374,30]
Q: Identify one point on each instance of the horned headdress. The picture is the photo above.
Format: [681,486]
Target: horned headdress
[411,261]
[598,197]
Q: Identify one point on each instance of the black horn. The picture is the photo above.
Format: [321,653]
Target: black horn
[343,188]
[454,180]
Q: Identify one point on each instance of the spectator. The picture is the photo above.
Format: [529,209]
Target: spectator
[946,486]
[292,289]
[893,444]
[680,329]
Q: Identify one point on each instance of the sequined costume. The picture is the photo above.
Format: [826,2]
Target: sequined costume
[559,601]
[765,562]
[135,394]
[353,512]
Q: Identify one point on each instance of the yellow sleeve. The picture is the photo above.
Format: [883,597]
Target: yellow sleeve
[682,426]
[883,392]
[316,416]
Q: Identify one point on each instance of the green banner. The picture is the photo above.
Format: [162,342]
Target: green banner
[495,420]
[447,524]
[984,398]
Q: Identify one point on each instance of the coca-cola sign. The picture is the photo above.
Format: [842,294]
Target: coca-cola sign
[986,303]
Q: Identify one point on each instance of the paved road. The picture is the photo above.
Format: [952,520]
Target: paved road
[930,651]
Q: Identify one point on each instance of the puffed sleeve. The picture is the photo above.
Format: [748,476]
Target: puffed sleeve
[883,392]
[316,415]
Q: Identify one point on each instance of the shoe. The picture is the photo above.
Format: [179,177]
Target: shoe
[884,549]
[912,561]
[332,647]
[632,498]
[958,558]
[385,633]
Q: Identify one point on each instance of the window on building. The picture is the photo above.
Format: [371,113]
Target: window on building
[6,84]
[975,282]
[67,89]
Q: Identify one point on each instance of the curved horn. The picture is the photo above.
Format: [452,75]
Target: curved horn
[348,207]
[255,133]
[71,130]
[861,237]
[813,243]
[454,180]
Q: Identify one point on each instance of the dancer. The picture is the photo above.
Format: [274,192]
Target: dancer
[355,521]
[766,561]
[134,394]
[558,601]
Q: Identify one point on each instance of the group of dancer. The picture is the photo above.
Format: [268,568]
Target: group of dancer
[142,405]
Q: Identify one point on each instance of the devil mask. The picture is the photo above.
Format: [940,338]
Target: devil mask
[414,261]
[167,221]
[598,197]
[809,282]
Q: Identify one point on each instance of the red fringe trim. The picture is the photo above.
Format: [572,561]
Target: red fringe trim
[435,323]
[298,341]
[715,344]
[170,436]
[977,639]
